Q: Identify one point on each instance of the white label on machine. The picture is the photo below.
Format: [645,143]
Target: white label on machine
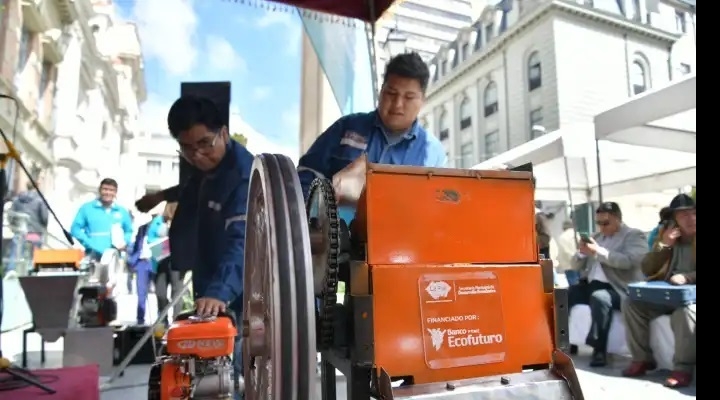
[462,320]
[207,344]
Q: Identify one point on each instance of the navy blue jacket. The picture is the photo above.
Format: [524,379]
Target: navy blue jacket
[355,134]
[207,234]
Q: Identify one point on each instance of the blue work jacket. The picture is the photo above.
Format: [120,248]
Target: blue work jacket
[135,250]
[207,235]
[355,134]
[93,225]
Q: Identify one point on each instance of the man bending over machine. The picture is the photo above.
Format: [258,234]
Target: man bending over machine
[212,201]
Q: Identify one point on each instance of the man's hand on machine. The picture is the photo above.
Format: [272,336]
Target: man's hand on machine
[149,201]
[350,181]
[207,306]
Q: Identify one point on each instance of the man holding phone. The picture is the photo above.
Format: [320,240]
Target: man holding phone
[672,259]
[607,262]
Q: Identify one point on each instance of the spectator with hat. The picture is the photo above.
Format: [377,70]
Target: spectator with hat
[671,259]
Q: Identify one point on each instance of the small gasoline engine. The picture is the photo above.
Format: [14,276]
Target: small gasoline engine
[197,361]
[97,308]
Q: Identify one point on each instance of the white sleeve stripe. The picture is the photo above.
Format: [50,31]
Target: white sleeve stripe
[317,174]
[237,218]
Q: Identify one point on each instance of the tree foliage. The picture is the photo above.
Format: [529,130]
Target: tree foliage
[240,138]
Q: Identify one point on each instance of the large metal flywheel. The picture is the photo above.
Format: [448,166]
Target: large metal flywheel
[279,346]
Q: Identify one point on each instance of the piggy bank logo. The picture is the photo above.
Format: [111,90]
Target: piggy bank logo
[438,290]
[437,336]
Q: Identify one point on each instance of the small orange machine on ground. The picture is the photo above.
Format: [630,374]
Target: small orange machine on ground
[446,297]
[197,363]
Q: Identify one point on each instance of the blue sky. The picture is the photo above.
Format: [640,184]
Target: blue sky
[258,50]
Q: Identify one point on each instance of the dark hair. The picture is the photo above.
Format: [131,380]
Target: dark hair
[609,207]
[189,111]
[109,182]
[408,65]
[665,213]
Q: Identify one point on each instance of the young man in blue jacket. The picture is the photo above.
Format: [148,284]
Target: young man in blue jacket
[207,235]
[391,134]
[94,222]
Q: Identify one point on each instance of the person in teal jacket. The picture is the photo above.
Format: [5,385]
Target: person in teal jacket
[664,217]
[93,223]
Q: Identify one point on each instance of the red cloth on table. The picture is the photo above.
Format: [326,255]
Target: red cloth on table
[71,383]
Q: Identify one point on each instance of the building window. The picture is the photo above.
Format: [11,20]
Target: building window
[490,99]
[638,77]
[444,128]
[534,71]
[536,123]
[680,21]
[153,167]
[465,50]
[24,51]
[685,69]
[478,38]
[466,155]
[489,32]
[175,166]
[444,68]
[465,114]
[492,144]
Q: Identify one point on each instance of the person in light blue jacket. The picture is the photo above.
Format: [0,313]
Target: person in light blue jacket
[95,219]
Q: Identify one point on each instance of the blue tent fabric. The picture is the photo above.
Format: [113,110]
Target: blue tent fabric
[342,50]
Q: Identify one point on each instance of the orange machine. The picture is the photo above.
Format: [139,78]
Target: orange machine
[56,259]
[445,295]
[197,360]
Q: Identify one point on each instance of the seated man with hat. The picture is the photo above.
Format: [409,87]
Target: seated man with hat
[671,259]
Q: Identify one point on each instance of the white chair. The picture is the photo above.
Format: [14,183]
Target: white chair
[662,340]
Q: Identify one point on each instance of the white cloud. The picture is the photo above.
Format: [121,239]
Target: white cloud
[287,22]
[261,92]
[257,142]
[224,57]
[154,114]
[168,30]
[291,119]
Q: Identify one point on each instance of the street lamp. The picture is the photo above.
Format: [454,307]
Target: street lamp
[396,42]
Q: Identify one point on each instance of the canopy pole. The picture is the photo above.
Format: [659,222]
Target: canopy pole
[370,34]
[599,170]
[570,200]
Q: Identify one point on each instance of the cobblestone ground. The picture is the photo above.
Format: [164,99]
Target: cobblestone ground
[598,384]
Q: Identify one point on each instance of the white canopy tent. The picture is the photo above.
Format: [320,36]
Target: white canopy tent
[662,118]
[565,166]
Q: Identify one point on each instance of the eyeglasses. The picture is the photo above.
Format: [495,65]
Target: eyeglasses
[202,146]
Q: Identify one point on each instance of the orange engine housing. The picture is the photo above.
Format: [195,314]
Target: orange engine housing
[202,339]
[453,273]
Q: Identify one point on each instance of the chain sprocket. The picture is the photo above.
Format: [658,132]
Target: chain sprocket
[323,190]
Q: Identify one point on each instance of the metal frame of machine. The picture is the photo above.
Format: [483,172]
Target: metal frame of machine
[467,234]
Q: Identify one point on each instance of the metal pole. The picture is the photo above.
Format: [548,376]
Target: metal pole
[150,332]
[599,170]
[370,33]
[570,199]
